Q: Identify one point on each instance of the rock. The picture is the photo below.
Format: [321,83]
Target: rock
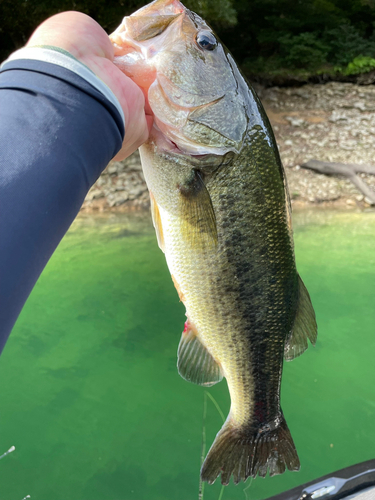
[337,116]
[295,122]
[302,93]
[135,191]
[118,200]
[367,78]
[360,105]
[112,168]
[332,122]
[348,145]
[101,181]
[94,194]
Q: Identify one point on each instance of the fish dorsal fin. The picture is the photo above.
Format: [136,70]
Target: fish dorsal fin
[195,364]
[156,220]
[198,217]
[304,325]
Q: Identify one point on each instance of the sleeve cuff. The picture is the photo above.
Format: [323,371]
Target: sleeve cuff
[56,55]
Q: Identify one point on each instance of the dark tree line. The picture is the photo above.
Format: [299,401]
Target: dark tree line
[313,35]
[265,36]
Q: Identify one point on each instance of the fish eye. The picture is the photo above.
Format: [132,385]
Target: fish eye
[206,40]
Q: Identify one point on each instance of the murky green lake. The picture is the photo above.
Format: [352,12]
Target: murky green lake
[90,395]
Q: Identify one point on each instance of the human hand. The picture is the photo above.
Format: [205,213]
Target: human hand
[86,40]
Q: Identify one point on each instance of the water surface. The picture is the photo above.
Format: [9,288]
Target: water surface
[90,395]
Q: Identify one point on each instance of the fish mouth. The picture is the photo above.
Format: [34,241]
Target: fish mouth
[184,115]
[162,7]
[145,24]
[171,149]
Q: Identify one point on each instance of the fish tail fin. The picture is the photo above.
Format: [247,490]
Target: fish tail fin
[245,453]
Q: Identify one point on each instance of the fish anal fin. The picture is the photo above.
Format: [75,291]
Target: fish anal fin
[199,228]
[178,288]
[156,220]
[250,452]
[195,364]
[304,327]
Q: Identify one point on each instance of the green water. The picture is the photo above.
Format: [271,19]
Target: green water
[90,396]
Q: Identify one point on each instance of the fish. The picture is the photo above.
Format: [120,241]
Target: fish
[222,216]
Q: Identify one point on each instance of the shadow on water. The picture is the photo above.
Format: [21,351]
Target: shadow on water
[90,396]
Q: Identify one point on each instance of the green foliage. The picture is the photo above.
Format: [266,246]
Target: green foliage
[361,64]
[19,18]
[219,13]
[301,36]
[346,42]
[265,36]
[303,50]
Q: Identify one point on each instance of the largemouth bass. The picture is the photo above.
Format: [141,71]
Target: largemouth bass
[221,212]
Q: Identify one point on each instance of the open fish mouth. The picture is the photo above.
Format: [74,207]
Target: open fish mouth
[199,120]
[172,149]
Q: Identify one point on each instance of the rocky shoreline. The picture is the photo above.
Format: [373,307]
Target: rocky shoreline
[334,122]
[121,187]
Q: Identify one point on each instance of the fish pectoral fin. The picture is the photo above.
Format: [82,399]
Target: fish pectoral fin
[199,228]
[195,364]
[156,220]
[304,325]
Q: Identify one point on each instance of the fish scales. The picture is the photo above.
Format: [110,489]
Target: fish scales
[253,261]
[221,212]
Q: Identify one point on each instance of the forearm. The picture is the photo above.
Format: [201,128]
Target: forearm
[57,133]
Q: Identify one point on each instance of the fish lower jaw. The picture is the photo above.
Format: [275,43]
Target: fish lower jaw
[171,143]
[196,155]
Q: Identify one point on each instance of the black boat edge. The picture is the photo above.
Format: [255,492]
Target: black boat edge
[335,486]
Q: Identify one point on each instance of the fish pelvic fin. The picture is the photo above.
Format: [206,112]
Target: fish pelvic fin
[246,453]
[304,325]
[195,364]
